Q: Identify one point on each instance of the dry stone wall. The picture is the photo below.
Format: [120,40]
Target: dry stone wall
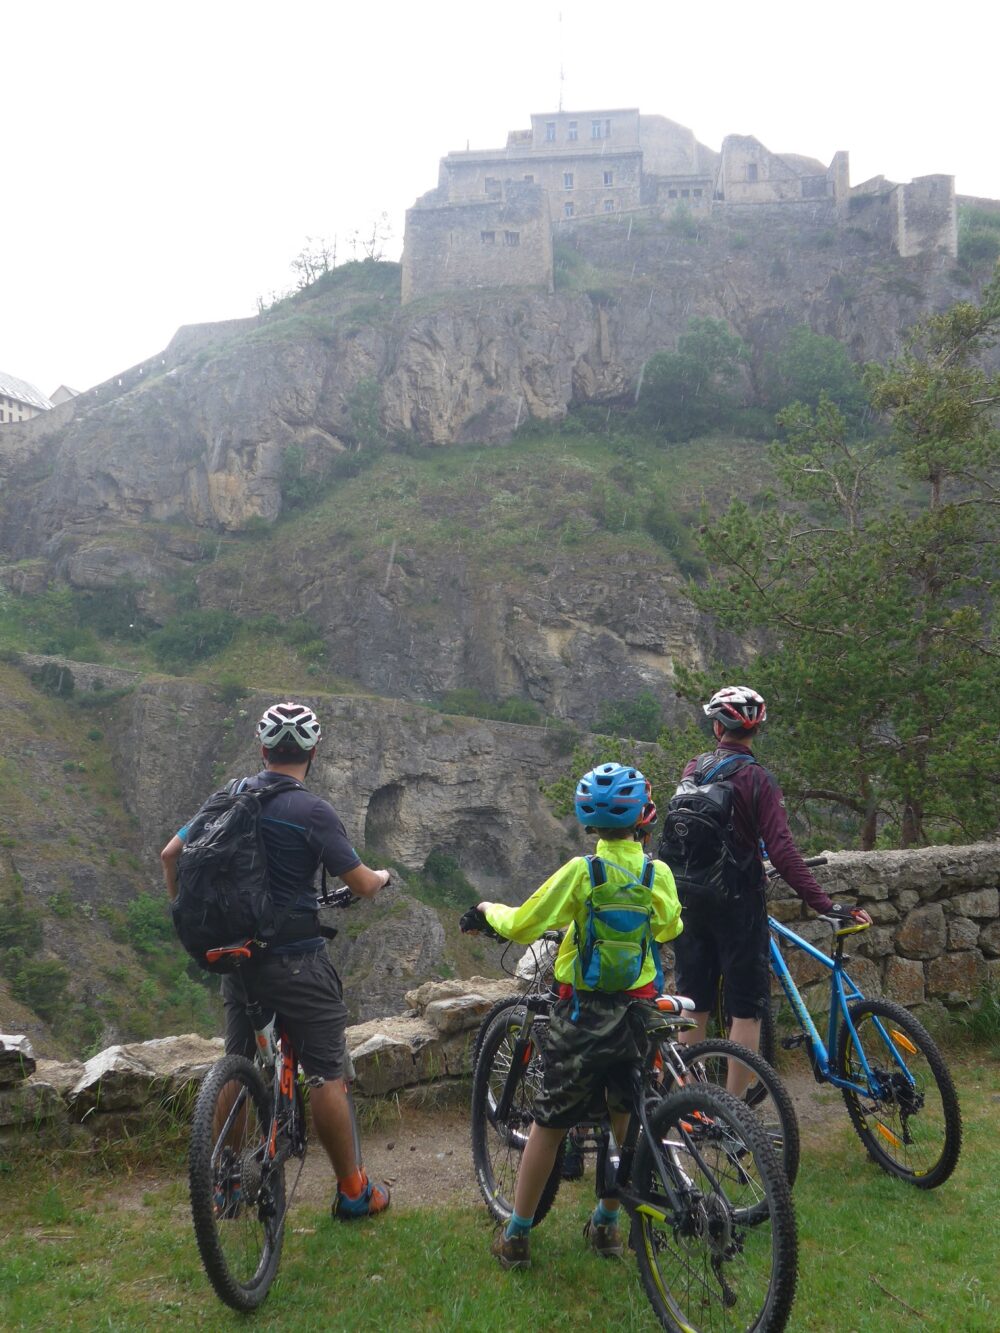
[936,941]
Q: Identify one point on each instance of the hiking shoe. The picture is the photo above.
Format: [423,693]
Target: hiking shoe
[604,1239]
[511,1251]
[372,1200]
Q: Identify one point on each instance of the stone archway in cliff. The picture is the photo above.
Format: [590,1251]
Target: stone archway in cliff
[383,817]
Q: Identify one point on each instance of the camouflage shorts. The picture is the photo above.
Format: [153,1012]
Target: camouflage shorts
[587,1062]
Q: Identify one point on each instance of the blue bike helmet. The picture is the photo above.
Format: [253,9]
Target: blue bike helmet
[611,796]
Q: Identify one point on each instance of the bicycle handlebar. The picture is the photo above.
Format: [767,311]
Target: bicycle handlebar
[773,873]
[341,897]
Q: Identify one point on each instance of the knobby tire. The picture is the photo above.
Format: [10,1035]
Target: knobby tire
[710,1266]
[913,1132]
[767,1097]
[238,1210]
[497,1146]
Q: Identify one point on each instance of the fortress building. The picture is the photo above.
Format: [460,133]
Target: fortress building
[489,222]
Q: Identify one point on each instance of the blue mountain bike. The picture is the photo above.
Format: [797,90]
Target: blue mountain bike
[894,1081]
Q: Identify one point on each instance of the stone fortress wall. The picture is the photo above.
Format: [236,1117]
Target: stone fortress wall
[935,943]
[583,164]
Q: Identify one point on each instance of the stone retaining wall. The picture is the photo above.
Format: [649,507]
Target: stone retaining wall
[936,941]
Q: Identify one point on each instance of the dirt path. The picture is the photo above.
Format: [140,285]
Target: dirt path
[427,1158]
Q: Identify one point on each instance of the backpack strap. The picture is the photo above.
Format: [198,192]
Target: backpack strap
[713,772]
[648,873]
[598,874]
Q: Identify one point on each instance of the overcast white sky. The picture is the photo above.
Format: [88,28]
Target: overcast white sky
[164,163]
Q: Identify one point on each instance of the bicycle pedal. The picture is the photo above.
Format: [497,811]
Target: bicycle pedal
[790,1043]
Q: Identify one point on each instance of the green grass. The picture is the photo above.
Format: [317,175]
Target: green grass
[85,1250]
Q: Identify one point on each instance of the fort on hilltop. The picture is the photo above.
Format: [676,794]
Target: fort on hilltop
[490,221]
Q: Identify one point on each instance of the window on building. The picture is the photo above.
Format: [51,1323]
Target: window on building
[493,187]
[512,238]
[607,129]
[671,194]
[488,237]
[609,205]
[685,194]
[573,132]
[529,180]
[609,178]
[595,129]
[550,131]
[567,210]
[751,172]
[567,180]
[696,193]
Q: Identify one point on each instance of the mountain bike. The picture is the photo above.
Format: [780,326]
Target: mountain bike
[513,1031]
[894,1081]
[708,1201]
[248,1122]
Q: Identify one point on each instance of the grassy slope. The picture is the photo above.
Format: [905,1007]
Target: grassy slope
[69,857]
[116,1252]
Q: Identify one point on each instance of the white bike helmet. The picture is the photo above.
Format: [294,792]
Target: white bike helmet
[737,707]
[289,722]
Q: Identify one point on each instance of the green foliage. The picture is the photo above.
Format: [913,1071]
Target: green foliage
[364,413]
[231,690]
[41,985]
[639,718]
[113,613]
[978,236]
[443,881]
[468,702]
[54,679]
[191,637]
[810,365]
[20,926]
[148,923]
[666,526]
[690,391]
[878,610]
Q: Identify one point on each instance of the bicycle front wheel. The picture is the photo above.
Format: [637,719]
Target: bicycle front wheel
[766,1096]
[909,1120]
[237,1195]
[497,1144]
[705,1264]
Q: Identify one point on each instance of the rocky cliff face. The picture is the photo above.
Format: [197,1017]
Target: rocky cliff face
[198,433]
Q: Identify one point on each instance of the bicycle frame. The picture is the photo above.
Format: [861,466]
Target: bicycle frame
[842,991]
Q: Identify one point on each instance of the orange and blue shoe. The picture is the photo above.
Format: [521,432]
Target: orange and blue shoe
[372,1200]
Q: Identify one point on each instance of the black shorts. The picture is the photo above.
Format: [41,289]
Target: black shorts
[724,935]
[586,1062]
[305,991]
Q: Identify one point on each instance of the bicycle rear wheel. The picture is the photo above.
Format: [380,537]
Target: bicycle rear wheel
[910,1122]
[237,1195]
[497,1144]
[703,1262]
[766,1096]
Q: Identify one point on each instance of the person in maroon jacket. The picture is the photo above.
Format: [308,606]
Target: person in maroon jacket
[731,938]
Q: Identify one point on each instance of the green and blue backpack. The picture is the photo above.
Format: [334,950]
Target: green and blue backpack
[618,934]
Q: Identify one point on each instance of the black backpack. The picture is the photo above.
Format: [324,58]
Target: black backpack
[696,840]
[223,893]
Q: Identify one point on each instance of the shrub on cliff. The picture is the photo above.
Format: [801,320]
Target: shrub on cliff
[191,637]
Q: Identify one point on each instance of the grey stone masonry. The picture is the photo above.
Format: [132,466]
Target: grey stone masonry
[937,911]
[937,941]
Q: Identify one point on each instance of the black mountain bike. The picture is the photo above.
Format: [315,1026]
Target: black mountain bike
[709,1205]
[514,1030]
[248,1122]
